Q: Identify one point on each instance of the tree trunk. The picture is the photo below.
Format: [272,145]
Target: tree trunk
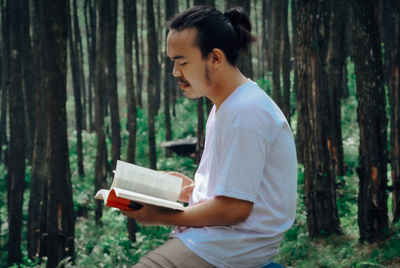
[372,199]
[101,68]
[285,61]
[79,55]
[37,199]
[5,60]
[335,63]
[268,46]
[90,25]
[171,8]
[391,38]
[110,76]
[276,27]
[257,46]
[76,74]
[263,50]
[320,187]
[138,67]
[60,217]
[153,83]
[244,60]
[16,171]
[28,77]
[129,24]
[140,57]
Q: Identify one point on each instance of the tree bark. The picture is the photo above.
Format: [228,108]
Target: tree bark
[60,217]
[28,77]
[5,60]
[320,187]
[129,8]
[285,61]
[138,67]
[16,171]
[110,78]
[335,63]
[153,83]
[76,80]
[36,221]
[79,54]
[372,199]
[276,27]
[263,50]
[391,38]
[171,8]
[101,157]
[90,25]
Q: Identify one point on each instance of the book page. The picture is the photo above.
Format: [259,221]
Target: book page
[146,181]
[121,193]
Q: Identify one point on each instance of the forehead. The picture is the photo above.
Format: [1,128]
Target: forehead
[180,43]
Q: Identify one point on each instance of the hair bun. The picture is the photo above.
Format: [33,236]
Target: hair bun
[237,16]
[242,25]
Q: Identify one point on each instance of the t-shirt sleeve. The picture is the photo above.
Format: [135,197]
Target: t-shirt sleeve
[242,157]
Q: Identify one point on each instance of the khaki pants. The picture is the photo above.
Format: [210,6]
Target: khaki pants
[172,254]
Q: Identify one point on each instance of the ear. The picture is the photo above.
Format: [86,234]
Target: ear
[217,56]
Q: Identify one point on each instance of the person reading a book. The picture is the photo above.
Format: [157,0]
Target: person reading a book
[243,197]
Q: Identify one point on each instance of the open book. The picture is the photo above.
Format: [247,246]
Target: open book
[133,185]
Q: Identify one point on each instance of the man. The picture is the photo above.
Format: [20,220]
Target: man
[244,195]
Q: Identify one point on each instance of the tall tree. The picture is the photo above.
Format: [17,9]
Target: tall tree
[101,69]
[320,187]
[152,82]
[171,7]
[391,39]
[60,217]
[263,51]
[28,78]
[110,75]
[76,80]
[285,61]
[299,131]
[335,63]
[276,28]
[138,67]
[372,199]
[244,61]
[140,55]
[5,59]
[79,56]
[280,55]
[16,171]
[129,8]
[37,198]
[90,26]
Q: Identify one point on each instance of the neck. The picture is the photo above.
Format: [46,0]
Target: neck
[229,80]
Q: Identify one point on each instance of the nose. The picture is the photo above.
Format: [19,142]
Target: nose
[176,71]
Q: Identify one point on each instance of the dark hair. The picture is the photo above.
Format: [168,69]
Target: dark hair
[230,32]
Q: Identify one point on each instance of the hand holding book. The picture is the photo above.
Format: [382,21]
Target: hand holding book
[133,184]
[187,186]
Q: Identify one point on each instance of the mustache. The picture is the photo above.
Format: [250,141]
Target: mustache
[181,80]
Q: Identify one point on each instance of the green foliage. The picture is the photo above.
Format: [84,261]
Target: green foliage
[108,245]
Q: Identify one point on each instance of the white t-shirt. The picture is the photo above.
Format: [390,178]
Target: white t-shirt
[250,155]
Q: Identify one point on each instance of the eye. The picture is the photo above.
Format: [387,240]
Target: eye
[182,64]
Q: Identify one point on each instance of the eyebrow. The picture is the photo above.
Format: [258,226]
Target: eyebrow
[177,57]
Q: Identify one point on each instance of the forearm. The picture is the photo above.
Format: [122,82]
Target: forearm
[214,212]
